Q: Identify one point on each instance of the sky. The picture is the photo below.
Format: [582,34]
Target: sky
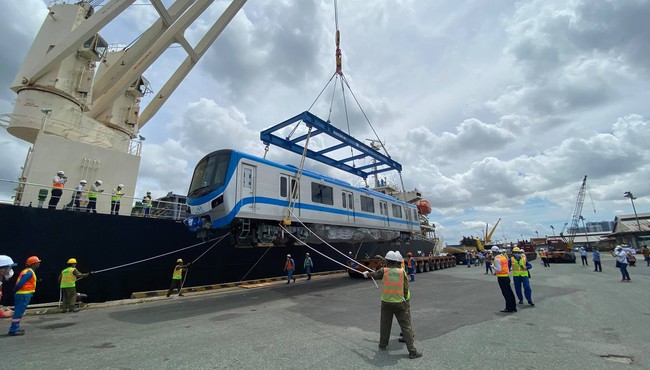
[495,109]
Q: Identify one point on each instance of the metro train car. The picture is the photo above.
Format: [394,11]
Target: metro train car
[250,197]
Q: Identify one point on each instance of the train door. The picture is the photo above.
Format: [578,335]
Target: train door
[288,186]
[383,210]
[247,187]
[347,200]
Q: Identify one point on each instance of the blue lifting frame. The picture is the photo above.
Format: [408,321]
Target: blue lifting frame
[381,163]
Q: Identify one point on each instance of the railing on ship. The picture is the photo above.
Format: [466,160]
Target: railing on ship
[169,207]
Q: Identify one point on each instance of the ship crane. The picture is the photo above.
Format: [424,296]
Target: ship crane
[78,100]
[577,215]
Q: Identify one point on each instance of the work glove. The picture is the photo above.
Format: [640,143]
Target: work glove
[365,274]
[90,273]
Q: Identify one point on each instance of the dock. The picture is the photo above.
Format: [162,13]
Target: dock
[582,319]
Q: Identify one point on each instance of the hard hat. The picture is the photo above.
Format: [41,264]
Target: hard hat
[120,186]
[618,247]
[83,182]
[72,260]
[399,256]
[6,261]
[495,249]
[99,182]
[516,250]
[307,254]
[409,254]
[32,260]
[392,256]
[288,255]
[179,261]
[60,173]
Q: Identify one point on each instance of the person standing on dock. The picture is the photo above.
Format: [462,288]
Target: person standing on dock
[621,263]
[68,285]
[289,267]
[177,278]
[6,272]
[596,257]
[503,278]
[411,266]
[488,263]
[92,196]
[543,254]
[583,256]
[395,302]
[116,197]
[308,265]
[58,182]
[521,275]
[25,288]
[146,203]
[646,254]
[468,258]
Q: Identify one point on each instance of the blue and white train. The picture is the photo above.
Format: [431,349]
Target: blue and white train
[250,197]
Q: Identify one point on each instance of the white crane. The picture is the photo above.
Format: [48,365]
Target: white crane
[78,102]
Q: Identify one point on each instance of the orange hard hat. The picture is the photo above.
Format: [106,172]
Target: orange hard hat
[409,254]
[32,260]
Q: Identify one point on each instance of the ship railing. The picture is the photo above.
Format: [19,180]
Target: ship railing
[26,194]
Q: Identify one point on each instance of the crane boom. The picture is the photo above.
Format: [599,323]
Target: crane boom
[488,236]
[577,211]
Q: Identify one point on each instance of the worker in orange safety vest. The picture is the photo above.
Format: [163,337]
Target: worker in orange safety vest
[25,288]
[502,271]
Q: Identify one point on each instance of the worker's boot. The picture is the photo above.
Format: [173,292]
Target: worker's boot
[415,354]
[17,332]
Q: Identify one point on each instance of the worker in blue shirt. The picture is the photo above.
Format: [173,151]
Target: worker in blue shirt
[411,266]
[24,289]
[597,266]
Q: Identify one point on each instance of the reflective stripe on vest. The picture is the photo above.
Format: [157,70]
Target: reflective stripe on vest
[178,273]
[68,280]
[56,185]
[393,287]
[30,285]
[117,195]
[504,265]
[519,267]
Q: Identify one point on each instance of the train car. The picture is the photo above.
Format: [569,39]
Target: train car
[250,197]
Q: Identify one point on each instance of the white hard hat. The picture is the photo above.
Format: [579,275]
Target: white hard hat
[288,255]
[60,173]
[99,182]
[399,255]
[392,256]
[495,249]
[83,182]
[6,261]
[618,247]
[120,186]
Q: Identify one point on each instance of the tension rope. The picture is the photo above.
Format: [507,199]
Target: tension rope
[196,259]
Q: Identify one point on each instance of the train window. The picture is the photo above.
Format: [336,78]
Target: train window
[322,194]
[283,187]
[350,201]
[344,200]
[367,204]
[397,210]
[209,174]
[295,190]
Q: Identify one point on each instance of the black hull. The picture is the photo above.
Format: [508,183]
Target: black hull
[101,241]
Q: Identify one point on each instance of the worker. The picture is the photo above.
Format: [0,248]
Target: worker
[58,182]
[488,263]
[621,262]
[503,278]
[289,267]
[177,277]
[468,258]
[543,254]
[146,203]
[92,196]
[116,197]
[583,256]
[394,302]
[521,275]
[411,266]
[308,265]
[68,285]
[646,254]
[25,288]
[596,257]
[6,272]
[75,204]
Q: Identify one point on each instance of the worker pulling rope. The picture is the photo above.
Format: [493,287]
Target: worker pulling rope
[180,290]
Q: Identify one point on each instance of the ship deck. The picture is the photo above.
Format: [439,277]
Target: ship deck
[582,319]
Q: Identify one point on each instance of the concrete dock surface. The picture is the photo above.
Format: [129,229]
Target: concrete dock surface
[582,320]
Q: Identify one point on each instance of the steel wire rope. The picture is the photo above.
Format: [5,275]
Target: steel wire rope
[158,256]
[196,259]
[255,264]
[324,255]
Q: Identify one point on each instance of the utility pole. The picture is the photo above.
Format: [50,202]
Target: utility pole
[632,198]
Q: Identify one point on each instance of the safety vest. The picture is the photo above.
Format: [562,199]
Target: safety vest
[92,194]
[412,262]
[504,265]
[68,279]
[30,286]
[519,267]
[178,273]
[117,195]
[289,264]
[393,286]
[542,254]
[55,184]
[147,201]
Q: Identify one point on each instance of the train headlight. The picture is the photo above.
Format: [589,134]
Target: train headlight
[217,201]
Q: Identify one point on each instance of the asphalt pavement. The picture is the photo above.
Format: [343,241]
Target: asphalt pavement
[582,320]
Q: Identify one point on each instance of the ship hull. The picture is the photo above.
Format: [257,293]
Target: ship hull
[100,241]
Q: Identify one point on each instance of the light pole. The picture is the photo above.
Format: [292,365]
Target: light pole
[536,233]
[632,198]
[552,228]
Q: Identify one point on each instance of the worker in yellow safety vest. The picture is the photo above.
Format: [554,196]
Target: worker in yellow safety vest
[93,194]
[68,285]
[146,203]
[521,275]
[394,302]
[25,288]
[116,197]
[502,272]
[177,277]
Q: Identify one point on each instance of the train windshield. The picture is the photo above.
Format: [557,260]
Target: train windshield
[209,174]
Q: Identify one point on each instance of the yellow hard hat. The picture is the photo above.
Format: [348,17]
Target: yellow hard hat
[179,261]
[516,250]
[72,260]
